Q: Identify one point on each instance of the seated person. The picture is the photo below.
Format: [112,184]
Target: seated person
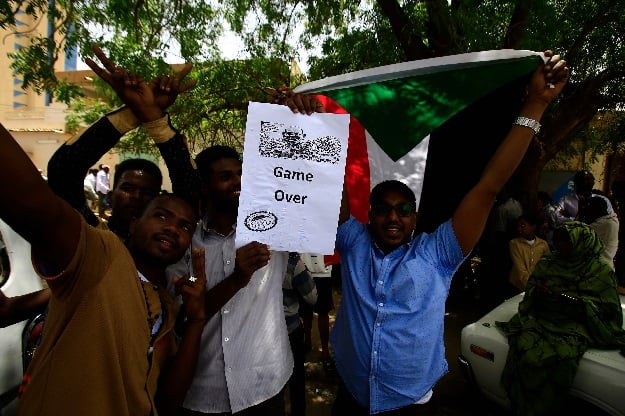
[571,304]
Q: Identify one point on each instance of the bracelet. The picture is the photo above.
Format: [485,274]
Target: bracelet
[528,122]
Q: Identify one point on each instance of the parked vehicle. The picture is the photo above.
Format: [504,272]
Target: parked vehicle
[599,382]
[17,342]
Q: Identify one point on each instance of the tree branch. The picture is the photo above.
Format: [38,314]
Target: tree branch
[413,46]
[518,23]
[440,29]
[593,23]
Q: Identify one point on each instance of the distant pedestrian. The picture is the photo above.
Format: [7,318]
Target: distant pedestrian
[89,186]
[322,274]
[102,187]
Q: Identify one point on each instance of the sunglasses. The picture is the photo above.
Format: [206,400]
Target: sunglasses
[403,209]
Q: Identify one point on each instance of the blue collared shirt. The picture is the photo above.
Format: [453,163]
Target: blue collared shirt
[388,335]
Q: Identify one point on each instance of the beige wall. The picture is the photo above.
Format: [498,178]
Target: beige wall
[39,128]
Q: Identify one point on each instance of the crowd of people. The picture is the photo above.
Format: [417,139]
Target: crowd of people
[562,257]
[517,235]
[156,305]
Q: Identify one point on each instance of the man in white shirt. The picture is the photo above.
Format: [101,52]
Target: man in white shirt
[102,187]
[89,187]
[245,358]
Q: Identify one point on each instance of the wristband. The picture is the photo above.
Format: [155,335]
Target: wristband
[160,130]
[123,119]
[528,122]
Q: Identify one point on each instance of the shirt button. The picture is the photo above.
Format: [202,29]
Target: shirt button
[227,261]
[226,311]
[375,353]
[381,282]
[226,339]
[377,324]
[380,304]
[229,368]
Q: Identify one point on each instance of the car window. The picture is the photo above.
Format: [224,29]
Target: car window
[5,265]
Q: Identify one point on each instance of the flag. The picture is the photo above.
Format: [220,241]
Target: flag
[450,112]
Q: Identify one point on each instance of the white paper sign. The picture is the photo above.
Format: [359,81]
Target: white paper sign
[293,170]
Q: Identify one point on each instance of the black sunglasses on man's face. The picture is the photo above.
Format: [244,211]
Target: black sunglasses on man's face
[403,209]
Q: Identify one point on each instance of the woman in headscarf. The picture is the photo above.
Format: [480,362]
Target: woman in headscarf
[571,304]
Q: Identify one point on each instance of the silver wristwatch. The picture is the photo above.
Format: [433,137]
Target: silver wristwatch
[528,122]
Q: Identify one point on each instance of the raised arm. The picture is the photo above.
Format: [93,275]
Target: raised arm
[249,258]
[171,143]
[148,101]
[303,281]
[470,217]
[68,165]
[46,221]
[177,376]
[344,213]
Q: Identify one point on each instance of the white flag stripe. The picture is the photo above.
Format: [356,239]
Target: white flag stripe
[411,68]
[410,169]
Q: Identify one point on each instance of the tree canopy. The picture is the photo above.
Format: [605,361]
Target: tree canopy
[341,36]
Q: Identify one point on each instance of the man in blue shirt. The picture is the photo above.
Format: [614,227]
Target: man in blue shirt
[388,335]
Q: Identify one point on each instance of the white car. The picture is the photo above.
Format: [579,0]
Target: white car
[599,383]
[16,341]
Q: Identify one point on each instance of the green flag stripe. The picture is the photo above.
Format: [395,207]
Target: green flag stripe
[399,113]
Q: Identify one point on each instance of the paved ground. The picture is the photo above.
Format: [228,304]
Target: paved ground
[452,395]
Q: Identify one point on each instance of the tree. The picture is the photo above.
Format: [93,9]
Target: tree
[354,34]
[141,35]
[131,31]
[214,112]
[364,34]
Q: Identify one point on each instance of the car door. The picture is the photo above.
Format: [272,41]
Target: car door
[17,277]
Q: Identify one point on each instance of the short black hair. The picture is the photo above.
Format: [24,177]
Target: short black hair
[168,196]
[138,164]
[391,186]
[206,157]
[581,175]
[598,206]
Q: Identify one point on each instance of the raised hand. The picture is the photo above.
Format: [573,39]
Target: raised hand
[166,88]
[250,258]
[298,103]
[192,288]
[130,88]
[549,79]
